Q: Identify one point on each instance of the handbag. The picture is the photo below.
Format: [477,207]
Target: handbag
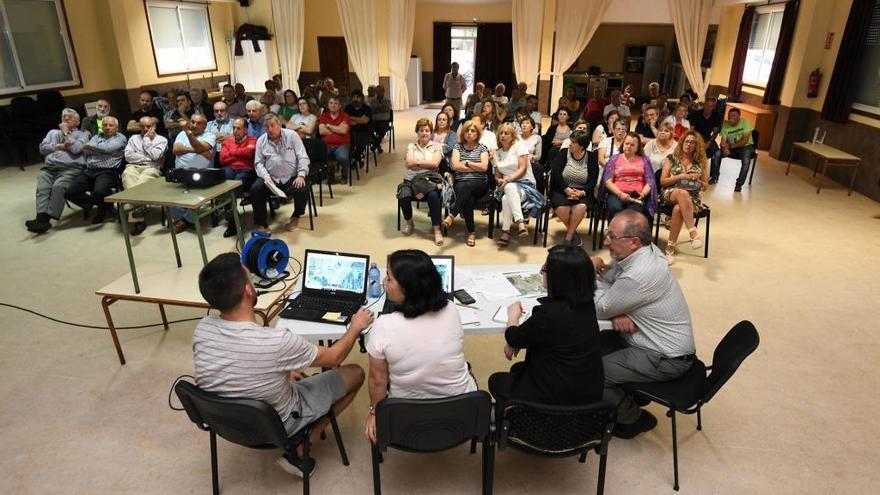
[425,182]
[689,185]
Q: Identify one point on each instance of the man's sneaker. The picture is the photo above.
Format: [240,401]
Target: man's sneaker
[576,241]
[646,422]
[290,463]
[738,188]
[230,230]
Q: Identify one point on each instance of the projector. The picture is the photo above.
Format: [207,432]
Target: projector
[195,178]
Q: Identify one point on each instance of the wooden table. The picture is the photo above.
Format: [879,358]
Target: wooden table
[762,120]
[830,157]
[163,285]
[169,195]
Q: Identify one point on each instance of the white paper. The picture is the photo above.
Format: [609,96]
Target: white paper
[468,316]
[275,190]
[493,286]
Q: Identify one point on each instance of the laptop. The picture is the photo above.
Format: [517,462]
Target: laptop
[334,287]
[445,266]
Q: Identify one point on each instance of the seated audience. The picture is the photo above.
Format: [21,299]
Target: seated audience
[381,106]
[334,126]
[145,156]
[563,363]
[221,127]
[515,182]
[241,94]
[580,126]
[268,101]
[304,123]
[531,140]
[663,110]
[62,167]
[182,111]
[193,148]
[310,95]
[707,121]
[679,121]
[289,108]
[488,137]
[593,111]
[147,109]
[515,105]
[611,145]
[416,352]
[237,160]
[532,110]
[490,115]
[454,122]
[328,90]
[93,124]
[104,154]
[361,116]
[371,95]
[557,132]
[736,142]
[685,174]
[686,100]
[200,103]
[234,105]
[648,123]
[255,118]
[629,181]
[498,96]
[603,130]
[444,136]
[618,104]
[233,356]
[277,96]
[474,104]
[573,179]
[281,158]
[654,339]
[470,160]
[660,147]
[574,105]
[421,179]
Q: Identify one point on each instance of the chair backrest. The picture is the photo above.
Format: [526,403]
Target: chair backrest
[555,430]
[316,149]
[756,136]
[246,422]
[432,425]
[733,349]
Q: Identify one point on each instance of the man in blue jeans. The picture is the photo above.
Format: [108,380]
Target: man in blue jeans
[334,126]
[736,142]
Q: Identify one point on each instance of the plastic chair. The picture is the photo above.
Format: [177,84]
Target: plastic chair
[695,388]
[434,425]
[246,422]
[558,431]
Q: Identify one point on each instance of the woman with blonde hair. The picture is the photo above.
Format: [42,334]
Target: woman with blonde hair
[685,174]
[663,145]
[470,160]
[515,182]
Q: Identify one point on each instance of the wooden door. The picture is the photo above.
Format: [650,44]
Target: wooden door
[333,59]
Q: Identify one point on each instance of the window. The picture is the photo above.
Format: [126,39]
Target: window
[762,45]
[866,96]
[181,35]
[35,49]
[464,51]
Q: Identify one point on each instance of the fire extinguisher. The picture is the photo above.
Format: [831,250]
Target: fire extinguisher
[813,86]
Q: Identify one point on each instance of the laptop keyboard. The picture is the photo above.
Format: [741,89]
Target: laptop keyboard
[325,305]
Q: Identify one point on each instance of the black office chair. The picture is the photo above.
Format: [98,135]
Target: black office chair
[558,431]
[361,149]
[665,209]
[318,171]
[246,422]
[755,137]
[695,388]
[434,425]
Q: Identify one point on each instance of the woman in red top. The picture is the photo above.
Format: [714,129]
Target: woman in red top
[592,111]
[629,180]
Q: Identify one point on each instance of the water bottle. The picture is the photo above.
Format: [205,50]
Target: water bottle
[374,289]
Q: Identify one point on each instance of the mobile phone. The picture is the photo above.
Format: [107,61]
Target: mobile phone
[463,297]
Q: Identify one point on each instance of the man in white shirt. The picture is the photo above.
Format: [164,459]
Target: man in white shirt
[280,158]
[454,85]
[144,155]
[617,104]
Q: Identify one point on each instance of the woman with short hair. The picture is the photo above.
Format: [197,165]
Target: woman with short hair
[611,145]
[663,145]
[629,180]
[417,351]
[470,160]
[573,178]
[420,181]
[679,121]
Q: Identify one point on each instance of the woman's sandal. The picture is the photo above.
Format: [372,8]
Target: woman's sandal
[670,252]
[504,238]
[447,222]
[696,242]
[472,240]
[523,231]
[438,238]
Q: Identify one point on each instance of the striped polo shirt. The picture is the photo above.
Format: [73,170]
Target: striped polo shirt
[471,156]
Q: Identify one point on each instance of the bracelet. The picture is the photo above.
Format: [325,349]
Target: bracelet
[372,410]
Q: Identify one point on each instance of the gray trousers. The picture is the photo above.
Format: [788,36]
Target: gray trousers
[52,185]
[634,365]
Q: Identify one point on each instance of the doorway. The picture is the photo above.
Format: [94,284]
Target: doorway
[333,61]
[464,51]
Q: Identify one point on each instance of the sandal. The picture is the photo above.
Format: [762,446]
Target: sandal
[438,239]
[670,252]
[504,239]
[472,239]
[447,222]
[407,228]
[696,242]
[523,231]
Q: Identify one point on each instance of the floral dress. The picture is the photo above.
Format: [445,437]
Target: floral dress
[677,168]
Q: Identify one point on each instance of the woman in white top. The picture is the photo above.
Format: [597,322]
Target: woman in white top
[304,122]
[419,348]
[679,121]
[601,131]
[659,148]
[422,156]
[610,146]
[511,164]
[530,139]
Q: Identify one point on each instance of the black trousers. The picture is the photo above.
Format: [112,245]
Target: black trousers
[92,186]
[433,199]
[467,193]
[501,384]
[260,194]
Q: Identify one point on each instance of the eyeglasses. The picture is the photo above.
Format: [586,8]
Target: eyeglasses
[612,237]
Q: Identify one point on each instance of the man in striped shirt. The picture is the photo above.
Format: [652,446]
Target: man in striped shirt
[104,154]
[233,356]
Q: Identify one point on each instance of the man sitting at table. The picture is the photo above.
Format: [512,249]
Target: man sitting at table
[233,356]
[280,158]
[194,148]
[736,142]
[237,159]
[654,338]
[104,153]
[144,155]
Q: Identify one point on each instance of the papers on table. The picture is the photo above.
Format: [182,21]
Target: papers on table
[494,286]
[468,316]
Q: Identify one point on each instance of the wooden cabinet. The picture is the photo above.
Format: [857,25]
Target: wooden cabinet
[762,120]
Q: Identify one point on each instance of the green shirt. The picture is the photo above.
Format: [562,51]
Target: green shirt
[287,112]
[732,134]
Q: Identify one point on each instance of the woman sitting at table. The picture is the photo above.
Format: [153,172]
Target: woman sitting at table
[470,161]
[628,181]
[685,174]
[515,182]
[416,352]
[563,364]
[422,157]
[572,180]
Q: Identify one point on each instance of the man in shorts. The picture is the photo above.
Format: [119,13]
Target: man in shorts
[234,356]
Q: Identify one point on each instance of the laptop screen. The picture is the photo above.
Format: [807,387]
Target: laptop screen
[445,266]
[337,272]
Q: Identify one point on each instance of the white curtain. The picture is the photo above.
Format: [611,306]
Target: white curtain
[573,32]
[528,21]
[358,19]
[289,35]
[402,17]
[691,21]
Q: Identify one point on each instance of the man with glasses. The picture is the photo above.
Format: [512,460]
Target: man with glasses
[653,339]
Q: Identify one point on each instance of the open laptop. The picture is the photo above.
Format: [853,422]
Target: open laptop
[445,266]
[334,287]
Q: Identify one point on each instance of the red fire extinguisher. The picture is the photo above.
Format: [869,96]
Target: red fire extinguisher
[813,86]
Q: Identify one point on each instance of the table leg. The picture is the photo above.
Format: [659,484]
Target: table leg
[173,235]
[790,156]
[164,318]
[123,220]
[201,239]
[852,182]
[236,216]
[822,175]
[105,303]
